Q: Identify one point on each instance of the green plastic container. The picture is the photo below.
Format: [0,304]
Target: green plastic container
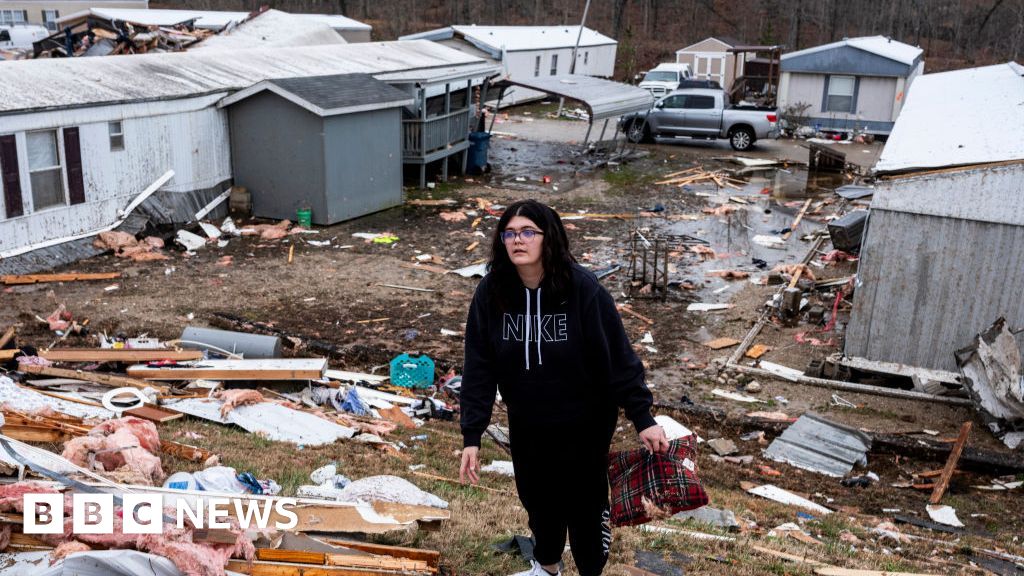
[305,217]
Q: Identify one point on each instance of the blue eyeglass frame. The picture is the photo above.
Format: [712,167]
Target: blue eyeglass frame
[526,235]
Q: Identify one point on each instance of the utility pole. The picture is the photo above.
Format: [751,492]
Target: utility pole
[572,63]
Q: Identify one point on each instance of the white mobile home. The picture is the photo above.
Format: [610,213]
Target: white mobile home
[530,51]
[854,84]
[71,160]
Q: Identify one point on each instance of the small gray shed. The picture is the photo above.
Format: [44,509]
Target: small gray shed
[328,143]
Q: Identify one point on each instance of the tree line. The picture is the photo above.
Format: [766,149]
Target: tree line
[953,33]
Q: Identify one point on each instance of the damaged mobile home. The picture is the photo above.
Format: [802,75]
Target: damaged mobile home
[939,263]
[74,161]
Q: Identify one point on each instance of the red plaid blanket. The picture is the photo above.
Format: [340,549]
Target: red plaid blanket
[647,486]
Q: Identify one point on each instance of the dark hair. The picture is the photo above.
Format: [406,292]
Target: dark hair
[555,255]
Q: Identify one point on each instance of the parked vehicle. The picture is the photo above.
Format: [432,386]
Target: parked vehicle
[665,78]
[703,114]
[695,83]
[21,37]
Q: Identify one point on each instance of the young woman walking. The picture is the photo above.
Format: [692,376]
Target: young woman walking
[544,332]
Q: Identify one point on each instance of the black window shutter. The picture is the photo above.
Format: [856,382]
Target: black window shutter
[11,176]
[73,158]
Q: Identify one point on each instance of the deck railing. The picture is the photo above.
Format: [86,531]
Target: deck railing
[421,137]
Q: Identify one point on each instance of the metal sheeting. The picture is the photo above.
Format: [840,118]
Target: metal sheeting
[603,98]
[878,45]
[498,39]
[209,19]
[928,284]
[270,420]
[30,85]
[969,116]
[816,444]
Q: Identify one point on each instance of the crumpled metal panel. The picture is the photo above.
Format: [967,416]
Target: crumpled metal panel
[273,421]
[603,98]
[816,444]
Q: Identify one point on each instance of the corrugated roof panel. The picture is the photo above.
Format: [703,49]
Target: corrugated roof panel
[957,118]
[210,19]
[816,444]
[517,38]
[604,98]
[29,85]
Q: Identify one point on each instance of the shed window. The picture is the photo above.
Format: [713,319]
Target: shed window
[116,135]
[554,64]
[536,67]
[5,35]
[50,19]
[45,170]
[840,94]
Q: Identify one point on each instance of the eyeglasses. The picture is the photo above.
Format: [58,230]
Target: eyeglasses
[524,236]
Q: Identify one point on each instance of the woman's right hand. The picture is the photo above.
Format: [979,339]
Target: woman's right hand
[470,465]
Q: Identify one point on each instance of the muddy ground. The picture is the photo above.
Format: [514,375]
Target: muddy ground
[330,299]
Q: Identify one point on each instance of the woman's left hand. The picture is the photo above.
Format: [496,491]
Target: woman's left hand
[654,439]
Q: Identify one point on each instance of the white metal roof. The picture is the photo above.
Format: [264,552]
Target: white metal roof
[271,28]
[54,83]
[204,18]
[518,38]
[957,118]
[880,45]
[603,98]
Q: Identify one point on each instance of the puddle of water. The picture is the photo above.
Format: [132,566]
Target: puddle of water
[774,197]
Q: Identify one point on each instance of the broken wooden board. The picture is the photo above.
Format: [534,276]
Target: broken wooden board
[7,337]
[184,451]
[265,568]
[95,377]
[950,467]
[42,278]
[425,267]
[834,571]
[113,355]
[266,369]
[384,563]
[719,343]
[756,351]
[154,414]
[431,557]
[9,354]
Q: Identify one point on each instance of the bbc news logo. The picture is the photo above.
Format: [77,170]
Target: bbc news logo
[143,513]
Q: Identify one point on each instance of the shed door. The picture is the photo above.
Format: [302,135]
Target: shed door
[11,177]
[73,159]
[711,67]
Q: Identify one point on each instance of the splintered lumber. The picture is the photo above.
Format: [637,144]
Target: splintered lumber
[9,354]
[426,267]
[796,222]
[154,414]
[954,457]
[629,310]
[834,571]
[36,433]
[41,278]
[263,369]
[442,202]
[95,377]
[410,288]
[184,451]
[345,560]
[431,557]
[456,481]
[113,355]
[265,568]
[7,337]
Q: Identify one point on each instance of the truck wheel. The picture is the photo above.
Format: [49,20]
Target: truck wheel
[638,131]
[741,139]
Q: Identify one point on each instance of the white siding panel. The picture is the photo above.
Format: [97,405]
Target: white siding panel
[194,144]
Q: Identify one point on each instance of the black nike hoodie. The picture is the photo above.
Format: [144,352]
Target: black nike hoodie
[557,361]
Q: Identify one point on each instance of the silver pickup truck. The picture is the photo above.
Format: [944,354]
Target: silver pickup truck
[704,114]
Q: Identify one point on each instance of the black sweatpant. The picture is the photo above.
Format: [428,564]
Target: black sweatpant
[562,479]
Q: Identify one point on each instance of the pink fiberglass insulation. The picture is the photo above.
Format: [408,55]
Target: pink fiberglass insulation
[11,494]
[144,430]
[67,548]
[117,443]
[235,398]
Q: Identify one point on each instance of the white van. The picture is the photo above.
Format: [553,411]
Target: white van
[665,78]
[21,37]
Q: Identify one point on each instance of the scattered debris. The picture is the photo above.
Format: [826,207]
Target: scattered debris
[781,496]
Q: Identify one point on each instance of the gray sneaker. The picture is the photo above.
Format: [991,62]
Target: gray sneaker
[536,570]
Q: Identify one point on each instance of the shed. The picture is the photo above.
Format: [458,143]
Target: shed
[854,84]
[710,59]
[531,51]
[940,260]
[331,144]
